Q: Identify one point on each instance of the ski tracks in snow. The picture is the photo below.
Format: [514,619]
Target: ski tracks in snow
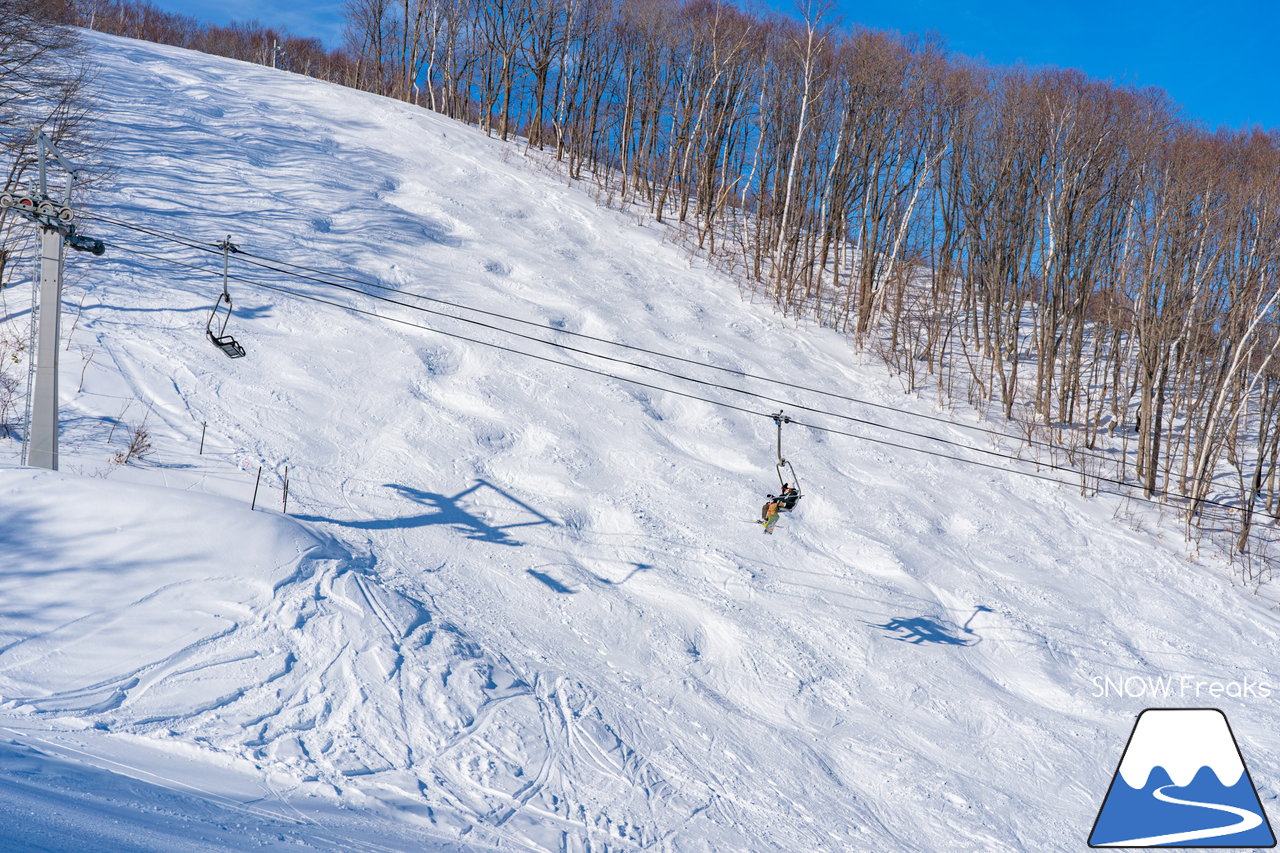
[356,690]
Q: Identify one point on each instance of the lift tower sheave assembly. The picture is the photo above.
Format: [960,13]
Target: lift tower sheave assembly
[56,221]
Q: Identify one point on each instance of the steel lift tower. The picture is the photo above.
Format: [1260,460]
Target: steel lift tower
[56,221]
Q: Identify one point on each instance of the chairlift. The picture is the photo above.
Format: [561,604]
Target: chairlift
[779,419]
[222,340]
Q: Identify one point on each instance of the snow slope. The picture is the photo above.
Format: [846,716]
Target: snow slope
[525,607]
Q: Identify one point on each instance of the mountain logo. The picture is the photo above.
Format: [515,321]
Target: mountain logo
[1182,783]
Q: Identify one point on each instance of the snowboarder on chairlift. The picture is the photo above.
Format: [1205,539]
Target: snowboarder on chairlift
[769,513]
[788,497]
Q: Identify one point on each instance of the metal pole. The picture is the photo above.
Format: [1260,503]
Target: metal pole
[254,504]
[57,230]
[42,147]
[42,449]
[286,490]
[203,426]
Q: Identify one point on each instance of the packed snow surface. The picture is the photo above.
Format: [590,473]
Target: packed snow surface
[515,605]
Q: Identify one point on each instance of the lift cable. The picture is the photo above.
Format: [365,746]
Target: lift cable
[706,383]
[1166,495]
[330,278]
[669,373]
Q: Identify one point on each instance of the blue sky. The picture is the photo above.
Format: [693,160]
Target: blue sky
[1219,60]
[321,19]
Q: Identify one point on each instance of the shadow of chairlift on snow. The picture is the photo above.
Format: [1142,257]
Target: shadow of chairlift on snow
[550,582]
[555,585]
[448,510]
[920,630]
[636,568]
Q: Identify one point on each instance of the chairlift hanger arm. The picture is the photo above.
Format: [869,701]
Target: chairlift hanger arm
[779,418]
[227,248]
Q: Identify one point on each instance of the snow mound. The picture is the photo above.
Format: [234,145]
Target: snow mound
[186,618]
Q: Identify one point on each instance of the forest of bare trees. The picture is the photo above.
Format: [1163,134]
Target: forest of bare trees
[42,85]
[1074,255]
[249,41]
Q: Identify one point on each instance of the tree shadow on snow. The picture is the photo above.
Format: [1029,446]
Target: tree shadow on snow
[920,630]
[32,555]
[448,510]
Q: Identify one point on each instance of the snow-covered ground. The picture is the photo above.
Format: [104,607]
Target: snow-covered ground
[519,606]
